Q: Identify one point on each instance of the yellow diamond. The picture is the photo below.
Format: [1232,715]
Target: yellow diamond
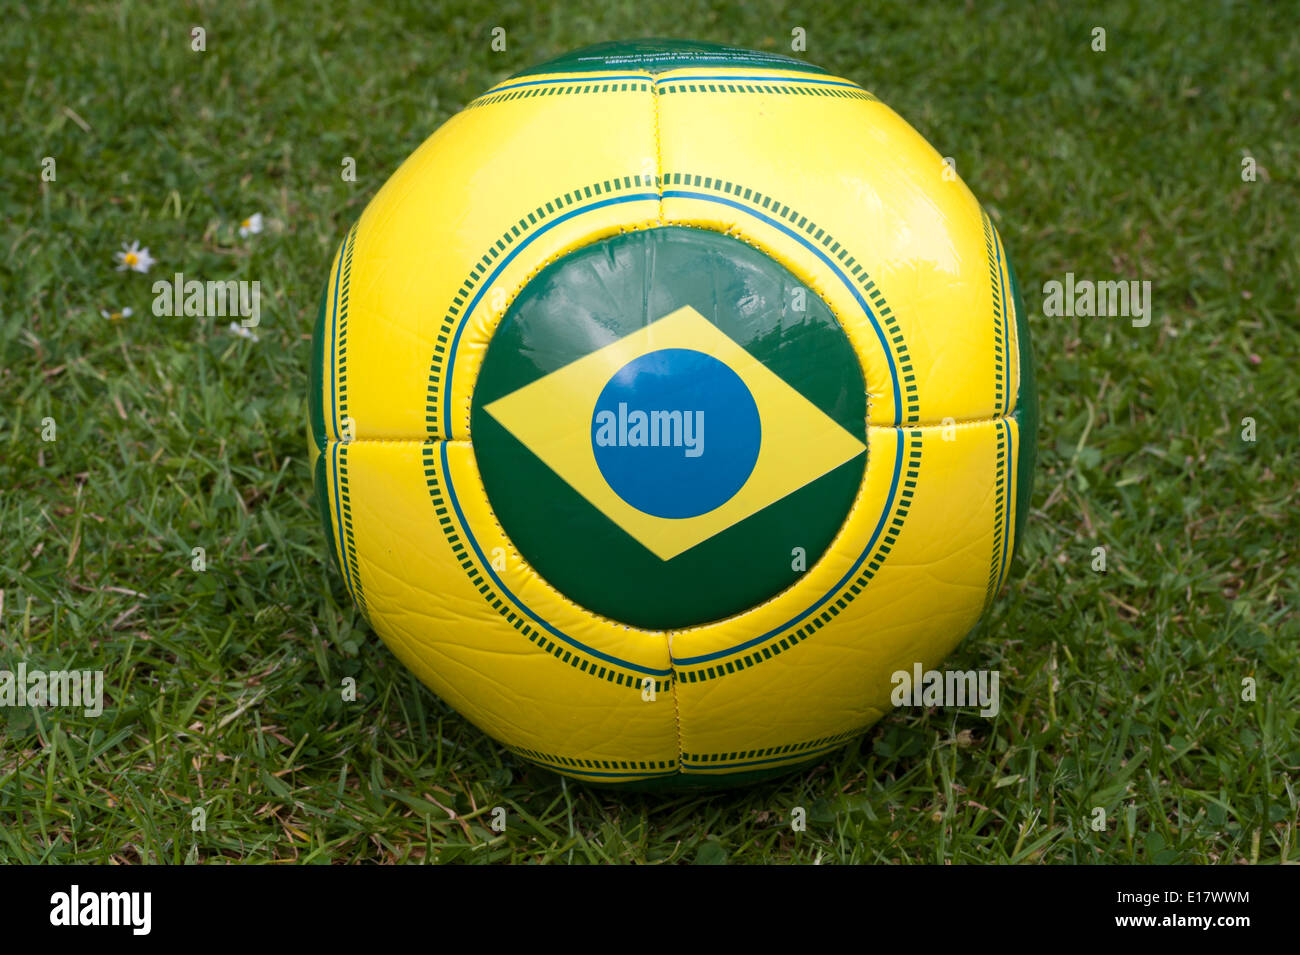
[552,417]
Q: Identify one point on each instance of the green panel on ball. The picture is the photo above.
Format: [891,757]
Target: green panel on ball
[659,55]
[316,423]
[598,296]
[1026,411]
[689,783]
[316,383]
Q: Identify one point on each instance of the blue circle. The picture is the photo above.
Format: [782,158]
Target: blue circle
[675,433]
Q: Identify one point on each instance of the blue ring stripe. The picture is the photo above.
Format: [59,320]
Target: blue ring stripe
[884,514]
[487,567]
[334,331]
[884,343]
[487,283]
[338,515]
[893,488]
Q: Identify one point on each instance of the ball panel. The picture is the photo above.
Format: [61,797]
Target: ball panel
[853,296]
[465,619]
[463,222]
[565,223]
[829,674]
[877,194]
[328,388]
[1006,354]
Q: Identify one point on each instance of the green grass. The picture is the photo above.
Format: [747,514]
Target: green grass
[1120,690]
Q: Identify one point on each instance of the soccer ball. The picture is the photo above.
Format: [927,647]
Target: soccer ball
[666,402]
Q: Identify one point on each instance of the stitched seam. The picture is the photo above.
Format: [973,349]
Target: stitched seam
[934,426]
[742,659]
[457,314]
[659,150]
[659,187]
[622,672]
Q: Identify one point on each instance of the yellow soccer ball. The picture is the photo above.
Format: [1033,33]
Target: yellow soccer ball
[667,401]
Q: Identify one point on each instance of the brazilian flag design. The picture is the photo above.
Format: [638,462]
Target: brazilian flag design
[670,426]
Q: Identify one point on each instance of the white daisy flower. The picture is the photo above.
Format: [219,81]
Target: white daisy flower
[251,226]
[242,332]
[116,316]
[134,258]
